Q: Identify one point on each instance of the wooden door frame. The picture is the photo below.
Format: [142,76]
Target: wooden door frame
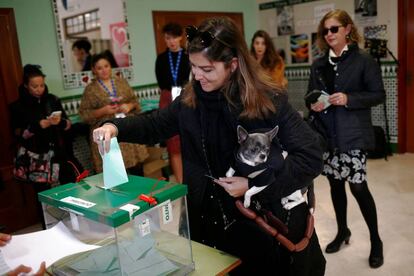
[402,91]
[405,78]
[160,18]
[17,200]
[9,85]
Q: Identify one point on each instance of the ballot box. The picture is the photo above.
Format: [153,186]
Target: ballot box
[136,228]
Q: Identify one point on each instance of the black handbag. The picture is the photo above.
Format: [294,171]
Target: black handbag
[319,129]
[36,167]
[312,97]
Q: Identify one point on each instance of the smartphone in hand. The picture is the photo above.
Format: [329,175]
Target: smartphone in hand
[211,177]
[56,113]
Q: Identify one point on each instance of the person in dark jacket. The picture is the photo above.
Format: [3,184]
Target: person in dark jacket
[38,119]
[31,119]
[82,51]
[353,81]
[227,90]
[40,125]
[172,70]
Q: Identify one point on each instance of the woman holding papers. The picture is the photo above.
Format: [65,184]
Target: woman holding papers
[107,97]
[228,89]
[21,269]
[352,80]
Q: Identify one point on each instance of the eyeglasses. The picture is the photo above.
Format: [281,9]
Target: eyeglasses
[333,29]
[206,38]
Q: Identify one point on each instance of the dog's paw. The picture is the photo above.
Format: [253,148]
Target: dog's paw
[246,201]
[230,172]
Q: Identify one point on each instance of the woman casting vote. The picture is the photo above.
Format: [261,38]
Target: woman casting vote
[228,89]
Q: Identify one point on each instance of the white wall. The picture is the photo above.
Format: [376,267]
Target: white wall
[110,11]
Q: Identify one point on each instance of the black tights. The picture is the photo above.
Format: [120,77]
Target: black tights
[365,201]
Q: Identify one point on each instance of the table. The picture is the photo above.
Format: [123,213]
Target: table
[210,261]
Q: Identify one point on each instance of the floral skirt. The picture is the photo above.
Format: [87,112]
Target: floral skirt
[349,166]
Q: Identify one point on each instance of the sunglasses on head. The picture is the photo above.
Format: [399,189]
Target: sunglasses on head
[206,38]
[333,29]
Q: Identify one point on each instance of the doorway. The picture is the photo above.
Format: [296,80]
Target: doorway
[17,201]
[406,76]
[161,18]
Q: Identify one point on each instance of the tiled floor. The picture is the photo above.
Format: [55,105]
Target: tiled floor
[392,185]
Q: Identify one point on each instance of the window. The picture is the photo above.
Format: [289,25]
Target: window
[82,23]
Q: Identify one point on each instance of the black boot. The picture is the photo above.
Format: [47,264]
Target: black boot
[376,257]
[369,211]
[341,237]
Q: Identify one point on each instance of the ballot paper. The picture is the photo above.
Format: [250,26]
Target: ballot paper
[317,96]
[139,257]
[114,172]
[324,98]
[48,245]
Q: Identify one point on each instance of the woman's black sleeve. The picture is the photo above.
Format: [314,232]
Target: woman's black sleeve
[304,161]
[150,128]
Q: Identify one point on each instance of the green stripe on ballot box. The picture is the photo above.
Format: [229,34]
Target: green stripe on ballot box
[89,199]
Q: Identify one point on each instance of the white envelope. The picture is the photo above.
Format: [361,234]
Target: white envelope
[114,172]
[324,98]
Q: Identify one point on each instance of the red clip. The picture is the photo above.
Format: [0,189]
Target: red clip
[84,174]
[150,199]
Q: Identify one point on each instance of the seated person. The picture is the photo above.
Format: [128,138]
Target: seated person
[108,97]
[40,123]
[41,128]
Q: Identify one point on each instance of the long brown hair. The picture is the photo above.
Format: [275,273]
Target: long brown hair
[344,19]
[271,58]
[253,84]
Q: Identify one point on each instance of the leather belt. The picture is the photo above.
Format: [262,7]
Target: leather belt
[280,230]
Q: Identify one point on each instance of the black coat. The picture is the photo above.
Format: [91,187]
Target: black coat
[208,142]
[359,77]
[303,163]
[28,111]
[163,71]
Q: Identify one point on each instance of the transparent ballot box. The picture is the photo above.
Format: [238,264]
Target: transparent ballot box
[129,234]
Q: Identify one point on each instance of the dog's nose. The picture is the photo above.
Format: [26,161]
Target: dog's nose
[262,156]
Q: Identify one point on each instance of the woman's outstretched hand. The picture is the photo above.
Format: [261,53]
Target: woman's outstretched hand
[102,136]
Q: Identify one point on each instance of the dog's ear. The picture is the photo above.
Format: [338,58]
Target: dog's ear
[272,133]
[242,134]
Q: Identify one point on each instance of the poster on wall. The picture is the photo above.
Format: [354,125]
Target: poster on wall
[119,41]
[376,40]
[366,7]
[375,32]
[319,11]
[285,24]
[299,48]
[315,50]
